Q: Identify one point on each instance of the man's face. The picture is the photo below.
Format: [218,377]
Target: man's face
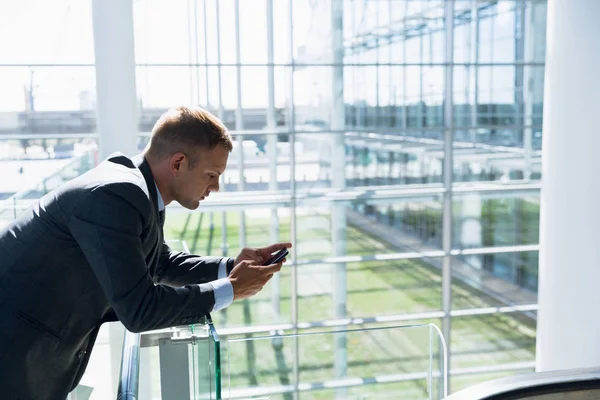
[190,186]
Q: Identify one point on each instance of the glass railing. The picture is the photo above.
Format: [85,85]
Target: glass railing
[384,363]
[130,364]
[13,206]
[206,365]
[177,363]
[378,363]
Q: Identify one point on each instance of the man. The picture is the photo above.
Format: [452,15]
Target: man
[92,251]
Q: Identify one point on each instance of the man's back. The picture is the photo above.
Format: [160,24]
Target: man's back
[51,301]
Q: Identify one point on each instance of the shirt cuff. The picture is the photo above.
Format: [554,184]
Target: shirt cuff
[223,291]
[223,268]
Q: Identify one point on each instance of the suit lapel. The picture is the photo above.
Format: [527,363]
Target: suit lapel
[161,218]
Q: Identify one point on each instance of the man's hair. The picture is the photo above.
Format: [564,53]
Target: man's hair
[187,130]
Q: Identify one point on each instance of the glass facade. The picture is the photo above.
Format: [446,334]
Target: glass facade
[395,143]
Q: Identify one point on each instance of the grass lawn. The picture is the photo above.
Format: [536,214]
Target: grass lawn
[373,288]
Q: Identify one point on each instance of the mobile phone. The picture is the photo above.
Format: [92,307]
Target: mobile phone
[280,255]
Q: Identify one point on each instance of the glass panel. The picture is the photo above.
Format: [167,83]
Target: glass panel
[45,138]
[31,178]
[495,219]
[164,34]
[165,86]
[259,162]
[499,279]
[374,229]
[389,159]
[492,340]
[282,29]
[496,162]
[535,31]
[378,361]
[188,31]
[503,31]
[47,99]
[178,245]
[370,238]
[206,363]
[370,159]
[369,288]
[217,232]
[253,32]
[378,98]
[216,366]
[498,116]
[26,179]
[180,362]
[368,227]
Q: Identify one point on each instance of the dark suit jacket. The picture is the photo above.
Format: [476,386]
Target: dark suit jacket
[89,252]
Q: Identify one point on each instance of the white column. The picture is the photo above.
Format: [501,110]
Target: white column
[568,323]
[221,114]
[117,107]
[448,175]
[474,57]
[239,122]
[530,33]
[338,181]
[272,154]
[404,71]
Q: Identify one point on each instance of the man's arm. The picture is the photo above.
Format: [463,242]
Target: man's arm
[178,269]
[108,226]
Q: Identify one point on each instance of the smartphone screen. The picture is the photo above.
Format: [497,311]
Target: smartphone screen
[280,255]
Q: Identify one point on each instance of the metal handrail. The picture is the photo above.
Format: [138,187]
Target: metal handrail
[130,367]
[217,341]
[525,386]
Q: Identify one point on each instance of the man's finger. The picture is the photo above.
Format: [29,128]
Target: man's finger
[257,256]
[248,262]
[276,247]
[271,269]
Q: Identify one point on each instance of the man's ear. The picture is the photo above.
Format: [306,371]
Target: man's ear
[176,162]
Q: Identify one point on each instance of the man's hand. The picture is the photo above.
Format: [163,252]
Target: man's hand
[259,256]
[248,278]
[249,275]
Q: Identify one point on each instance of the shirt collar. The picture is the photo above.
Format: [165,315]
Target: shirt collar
[161,202]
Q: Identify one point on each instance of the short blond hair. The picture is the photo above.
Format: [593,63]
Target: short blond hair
[187,129]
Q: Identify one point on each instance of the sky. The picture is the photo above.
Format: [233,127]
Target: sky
[60,32]
[63,35]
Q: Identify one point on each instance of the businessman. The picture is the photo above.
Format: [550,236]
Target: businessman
[93,251]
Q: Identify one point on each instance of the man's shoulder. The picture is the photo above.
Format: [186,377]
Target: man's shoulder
[117,174]
[119,169]
[121,173]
